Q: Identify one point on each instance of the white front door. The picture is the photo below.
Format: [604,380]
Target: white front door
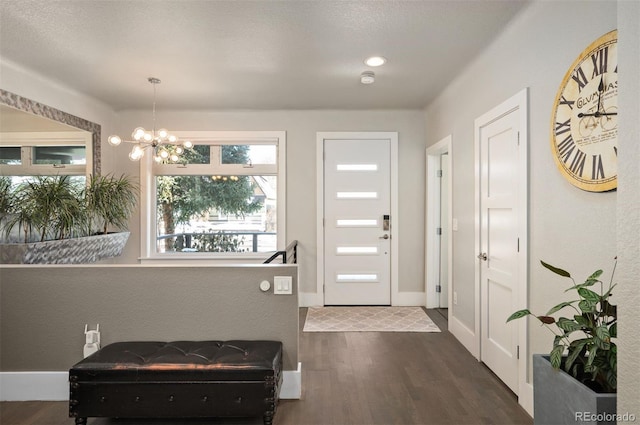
[498,258]
[358,225]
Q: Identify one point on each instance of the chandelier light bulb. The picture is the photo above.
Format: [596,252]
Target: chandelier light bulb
[148,137]
[179,150]
[157,159]
[172,138]
[114,140]
[138,133]
[136,153]
[187,144]
[164,154]
[174,157]
[163,133]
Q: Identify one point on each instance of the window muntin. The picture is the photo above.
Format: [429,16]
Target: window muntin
[254,160]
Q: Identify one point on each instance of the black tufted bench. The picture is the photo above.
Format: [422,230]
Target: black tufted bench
[183,379]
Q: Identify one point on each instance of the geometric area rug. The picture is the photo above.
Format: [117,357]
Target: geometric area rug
[368,319]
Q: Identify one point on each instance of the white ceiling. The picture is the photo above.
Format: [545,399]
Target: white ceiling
[286,54]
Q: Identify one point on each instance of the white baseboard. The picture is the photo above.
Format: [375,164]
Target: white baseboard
[310,299]
[292,383]
[313,299]
[466,336]
[54,386]
[23,386]
[525,398]
[409,299]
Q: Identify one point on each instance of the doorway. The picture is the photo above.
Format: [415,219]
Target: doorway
[357,207]
[438,227]
[501,237]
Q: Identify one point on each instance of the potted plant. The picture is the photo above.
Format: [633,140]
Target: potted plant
[576,382]
[56,220]
[110,201]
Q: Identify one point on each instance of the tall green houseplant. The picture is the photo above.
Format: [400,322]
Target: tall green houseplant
[110,201]
[586,335]
[45,208]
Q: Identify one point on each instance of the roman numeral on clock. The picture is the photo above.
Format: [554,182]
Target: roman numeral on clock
[573,157]
[563,127]
[600,60]
[597,170]
[569,103]
[579,77]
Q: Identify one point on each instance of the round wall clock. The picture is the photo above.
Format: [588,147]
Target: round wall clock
[584,122]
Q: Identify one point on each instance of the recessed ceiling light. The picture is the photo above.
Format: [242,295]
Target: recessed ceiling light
[375,61]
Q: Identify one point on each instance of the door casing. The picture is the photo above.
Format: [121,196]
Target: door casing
[433,155]
[516,102]
[395,221]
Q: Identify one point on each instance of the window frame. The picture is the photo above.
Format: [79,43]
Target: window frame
[149,170]
[26,141]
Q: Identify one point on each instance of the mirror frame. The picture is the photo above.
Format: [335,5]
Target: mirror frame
[31,106]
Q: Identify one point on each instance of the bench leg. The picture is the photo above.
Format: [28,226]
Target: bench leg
[81,421]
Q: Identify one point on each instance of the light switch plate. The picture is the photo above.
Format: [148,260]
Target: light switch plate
[282,285]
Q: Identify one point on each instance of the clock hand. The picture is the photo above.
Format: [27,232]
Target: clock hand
[596,114]
[600,90]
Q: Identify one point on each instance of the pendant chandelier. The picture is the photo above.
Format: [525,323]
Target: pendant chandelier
[165,146]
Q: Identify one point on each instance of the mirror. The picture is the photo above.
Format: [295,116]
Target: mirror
[21,114]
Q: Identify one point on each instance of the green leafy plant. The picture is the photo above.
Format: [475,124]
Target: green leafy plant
[586,337]
[110,201]
[56,207]
[49,205]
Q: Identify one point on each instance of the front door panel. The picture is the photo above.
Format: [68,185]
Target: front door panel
[357,197]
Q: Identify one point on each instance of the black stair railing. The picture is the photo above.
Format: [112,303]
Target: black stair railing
[289,253]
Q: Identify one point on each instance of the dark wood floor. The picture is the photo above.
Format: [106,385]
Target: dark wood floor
[352,378]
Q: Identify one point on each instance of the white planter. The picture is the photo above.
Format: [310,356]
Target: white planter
[559,398]
[88,249]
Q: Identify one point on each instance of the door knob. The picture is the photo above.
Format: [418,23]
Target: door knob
[483,256]
[385,236]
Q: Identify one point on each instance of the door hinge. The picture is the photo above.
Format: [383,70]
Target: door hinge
[439,173]
[518,138]
[518,352]
[438,288]
[439,231]
[518,244]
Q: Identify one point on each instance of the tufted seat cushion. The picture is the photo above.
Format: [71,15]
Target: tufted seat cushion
[182,360]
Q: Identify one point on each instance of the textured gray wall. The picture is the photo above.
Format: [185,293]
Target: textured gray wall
[628,291]
[43,309]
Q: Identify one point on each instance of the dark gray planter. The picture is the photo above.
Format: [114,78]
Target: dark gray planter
[88,249]
[558,398]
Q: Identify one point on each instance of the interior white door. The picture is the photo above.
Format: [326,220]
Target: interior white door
[444,232]
[498,257]
[357,238]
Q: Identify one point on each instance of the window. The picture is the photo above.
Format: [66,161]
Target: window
[226,201]
[26,154]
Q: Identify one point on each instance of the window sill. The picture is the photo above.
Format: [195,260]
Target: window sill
[221,259]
